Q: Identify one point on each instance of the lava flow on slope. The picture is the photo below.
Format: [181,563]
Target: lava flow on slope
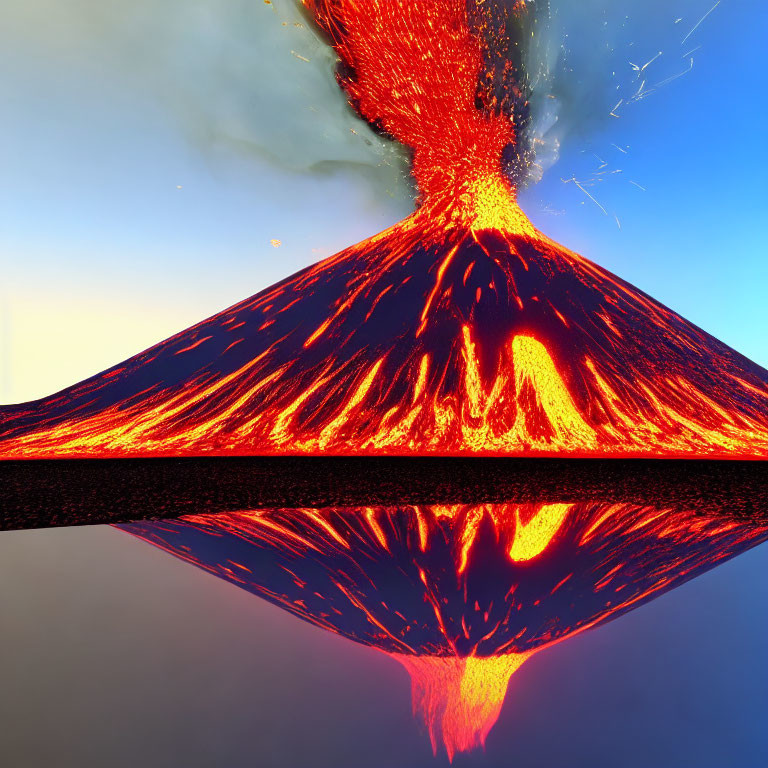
[461,330]
[461,595]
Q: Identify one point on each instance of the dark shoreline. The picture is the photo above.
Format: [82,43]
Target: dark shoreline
[62,492]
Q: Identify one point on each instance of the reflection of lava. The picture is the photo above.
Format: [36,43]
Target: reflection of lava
[460,330]
[482,343]
[460,595]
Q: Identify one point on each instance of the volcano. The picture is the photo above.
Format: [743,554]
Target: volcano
[461,330]
[461,594]
[482,342]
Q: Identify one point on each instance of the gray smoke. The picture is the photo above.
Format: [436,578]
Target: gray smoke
[235,76]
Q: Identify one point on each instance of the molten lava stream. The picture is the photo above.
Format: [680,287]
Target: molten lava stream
[459,699]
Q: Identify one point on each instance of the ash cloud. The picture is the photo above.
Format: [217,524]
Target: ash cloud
[242,77]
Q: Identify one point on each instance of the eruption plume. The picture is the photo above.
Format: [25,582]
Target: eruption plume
[438,77]
[460,595]
[460,330]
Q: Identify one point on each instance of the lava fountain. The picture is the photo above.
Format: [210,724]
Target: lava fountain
[461,595]
[460,330]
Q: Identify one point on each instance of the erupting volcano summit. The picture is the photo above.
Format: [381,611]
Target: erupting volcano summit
[461,330]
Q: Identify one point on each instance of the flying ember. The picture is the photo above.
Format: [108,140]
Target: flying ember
[460,330]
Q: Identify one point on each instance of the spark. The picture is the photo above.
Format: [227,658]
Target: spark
[640,69]
[674,77]
[700,21]
[580,186]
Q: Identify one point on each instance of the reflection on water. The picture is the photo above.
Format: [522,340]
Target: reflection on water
[460,594]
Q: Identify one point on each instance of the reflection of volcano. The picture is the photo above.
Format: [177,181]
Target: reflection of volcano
[461,595]
[460,330]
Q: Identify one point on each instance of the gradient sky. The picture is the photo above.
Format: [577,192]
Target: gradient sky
[149,156]
[149,153]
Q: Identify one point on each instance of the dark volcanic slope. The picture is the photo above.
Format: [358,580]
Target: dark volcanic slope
[539,571]
[469,341]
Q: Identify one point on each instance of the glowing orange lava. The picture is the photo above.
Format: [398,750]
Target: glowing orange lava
[414,69]
[459,699]
[461,330]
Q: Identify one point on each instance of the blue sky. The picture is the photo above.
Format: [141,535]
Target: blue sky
[120,225]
